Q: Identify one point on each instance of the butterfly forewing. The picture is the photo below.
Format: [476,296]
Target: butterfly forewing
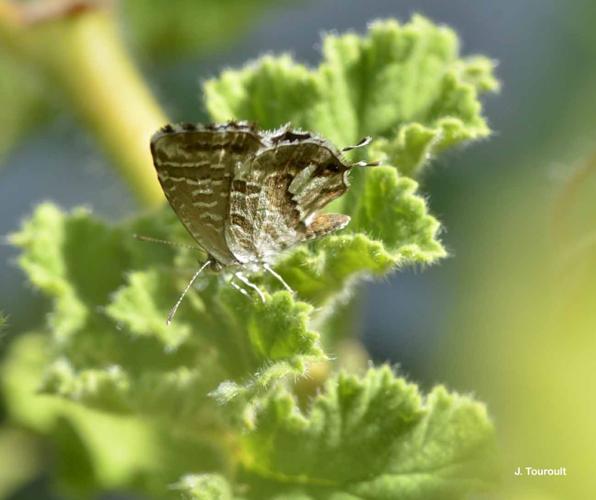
[195,166]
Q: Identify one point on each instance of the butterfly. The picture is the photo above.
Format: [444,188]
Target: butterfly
[246,195]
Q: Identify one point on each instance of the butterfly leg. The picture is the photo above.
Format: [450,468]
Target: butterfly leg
[248,283]
[240,289]
[276,275]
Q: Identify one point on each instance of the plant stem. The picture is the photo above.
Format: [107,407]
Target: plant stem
[85,56]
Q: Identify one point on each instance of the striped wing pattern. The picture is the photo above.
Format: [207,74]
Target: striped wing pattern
[195,166]
[274,202]
[246,195]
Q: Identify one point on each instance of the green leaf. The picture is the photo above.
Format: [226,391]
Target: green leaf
[115,351]
[271,339]
[319,272]
[205,487]
[411,148]
[478,71]
[270,91]
[76,260]
[143,304]
[371,437]
[398,228]
[403,84]
[389,209]
[79,262]
[273,343]
[179,394]
[77,435]
[95,388]
[141,453]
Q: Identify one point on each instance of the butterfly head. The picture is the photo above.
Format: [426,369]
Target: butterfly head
[330,165]
[214,265]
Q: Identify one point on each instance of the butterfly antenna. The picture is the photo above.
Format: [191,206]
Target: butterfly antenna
[365,141]
[179,301]
[270,270]
[364,163]
[163,242]
[248,283]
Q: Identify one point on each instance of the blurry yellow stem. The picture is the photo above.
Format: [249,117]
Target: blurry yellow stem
[85,55]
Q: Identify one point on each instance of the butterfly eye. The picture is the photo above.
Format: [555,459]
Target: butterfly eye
[332,168]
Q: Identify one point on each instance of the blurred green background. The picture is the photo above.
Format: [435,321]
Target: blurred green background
[510,317]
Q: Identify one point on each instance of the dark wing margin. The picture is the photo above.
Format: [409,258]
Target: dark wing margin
[195,166]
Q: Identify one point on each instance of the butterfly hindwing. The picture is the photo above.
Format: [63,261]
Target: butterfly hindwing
[274,200]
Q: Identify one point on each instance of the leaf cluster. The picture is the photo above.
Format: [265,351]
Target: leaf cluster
[214,402]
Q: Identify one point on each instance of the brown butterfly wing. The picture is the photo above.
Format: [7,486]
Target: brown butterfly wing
[195,166]
[274,201]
